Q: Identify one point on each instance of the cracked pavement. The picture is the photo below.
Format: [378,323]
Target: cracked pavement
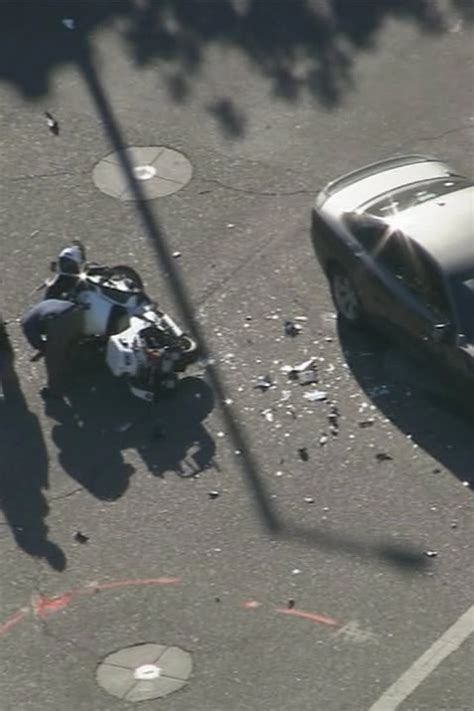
[301,585]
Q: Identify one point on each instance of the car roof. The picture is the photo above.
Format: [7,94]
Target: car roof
[444,228]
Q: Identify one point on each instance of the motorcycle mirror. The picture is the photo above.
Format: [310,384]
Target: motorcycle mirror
[53,266]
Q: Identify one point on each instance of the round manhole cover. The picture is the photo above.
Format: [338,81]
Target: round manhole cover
[144,672]
[159,171]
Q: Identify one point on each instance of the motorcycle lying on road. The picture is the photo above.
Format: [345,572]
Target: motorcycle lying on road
[142,344]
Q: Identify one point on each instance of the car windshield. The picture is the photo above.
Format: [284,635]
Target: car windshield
[397,201]
[463,292]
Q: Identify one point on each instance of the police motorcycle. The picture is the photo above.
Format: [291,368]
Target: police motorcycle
[142,344]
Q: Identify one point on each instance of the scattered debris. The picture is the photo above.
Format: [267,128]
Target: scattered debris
[292,328]
[303,454]
[214,494]
[333,419]
[315,395]
[454,524]
[295,571]
[323,439]
[279,473]
[431,554]
[307,377]
[304,373]
[176,255]
[230,225]
[291,603]
[69,23]
[52,123]
[268,414]
[217,599]
[263,382]
[123,428]
[81,537]
[383,457]
[285,395]
[309,499]
[367,423]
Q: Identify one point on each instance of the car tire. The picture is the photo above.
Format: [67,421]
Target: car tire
[345,297]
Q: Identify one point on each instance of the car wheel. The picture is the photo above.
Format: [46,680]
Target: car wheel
[345,296]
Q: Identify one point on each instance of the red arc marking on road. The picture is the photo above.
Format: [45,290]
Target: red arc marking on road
[13,620]
[42,604]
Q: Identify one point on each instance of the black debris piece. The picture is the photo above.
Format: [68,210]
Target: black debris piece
[383,457]
[291,604]
[263,382]
[367,423]
[81,537]
[52,123]
[303,454]
[292,328]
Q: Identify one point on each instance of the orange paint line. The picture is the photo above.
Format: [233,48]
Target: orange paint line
[12,621]
[313,616]
[137,581]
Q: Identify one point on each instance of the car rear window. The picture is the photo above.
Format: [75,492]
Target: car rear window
[415,194]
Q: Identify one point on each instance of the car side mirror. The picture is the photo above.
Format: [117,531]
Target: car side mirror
[442,332]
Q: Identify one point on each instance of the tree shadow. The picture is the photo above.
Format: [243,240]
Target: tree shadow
[301,47]
[24,474]
[417,398]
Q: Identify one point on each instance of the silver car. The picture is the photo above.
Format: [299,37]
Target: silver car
[396,241]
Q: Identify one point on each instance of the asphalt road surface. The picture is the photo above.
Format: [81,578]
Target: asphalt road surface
[304,567]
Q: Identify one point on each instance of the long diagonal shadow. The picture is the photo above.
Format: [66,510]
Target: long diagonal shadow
[401,557]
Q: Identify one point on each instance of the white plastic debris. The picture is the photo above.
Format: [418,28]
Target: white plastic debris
[69,23]
[315,395]
[307,377]
[268,414]
[176,255]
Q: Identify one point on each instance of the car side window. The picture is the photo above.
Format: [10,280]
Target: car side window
[428,286]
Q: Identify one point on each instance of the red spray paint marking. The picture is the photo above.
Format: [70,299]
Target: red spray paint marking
[13,620]
[250,604]
[42,604]
[313,616]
